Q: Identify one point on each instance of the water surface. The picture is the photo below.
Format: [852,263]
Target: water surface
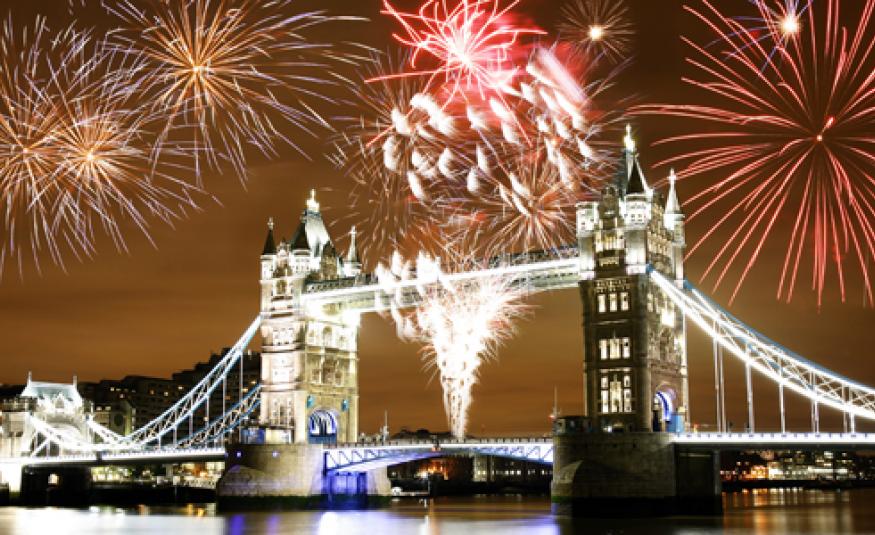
[760,512]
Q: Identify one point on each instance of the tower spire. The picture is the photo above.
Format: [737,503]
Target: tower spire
[352,255]
[269,243]
[353,266]
[672,205]
[312,205]
[628,140]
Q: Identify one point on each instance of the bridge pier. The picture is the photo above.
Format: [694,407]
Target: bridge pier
[630,474]
[293,476]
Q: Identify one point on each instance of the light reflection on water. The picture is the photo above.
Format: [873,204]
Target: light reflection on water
[760,512]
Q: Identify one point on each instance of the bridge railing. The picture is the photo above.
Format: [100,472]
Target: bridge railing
[200,394]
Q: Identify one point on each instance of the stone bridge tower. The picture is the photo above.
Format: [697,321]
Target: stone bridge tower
[309,357]
[635,357]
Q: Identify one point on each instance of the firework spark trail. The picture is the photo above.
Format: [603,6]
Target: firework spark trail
[462,324]
[601,28]
[75,154]
[793,138]
[475,43]
[231,75]
[535,212]
[397,182]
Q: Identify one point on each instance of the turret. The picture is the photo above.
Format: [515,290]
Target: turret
[268,264]
[352,266]
[674,223]
[637,215]
[587,222]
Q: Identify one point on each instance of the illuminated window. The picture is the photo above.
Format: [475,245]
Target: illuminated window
[601,298]
[616,392]
[615,348]
[624,300]
[612,302]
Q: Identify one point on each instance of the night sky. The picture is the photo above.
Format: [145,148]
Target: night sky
[159,309]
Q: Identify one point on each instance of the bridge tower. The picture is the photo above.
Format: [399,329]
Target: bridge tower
[309,357]
[635,361]
[309,377]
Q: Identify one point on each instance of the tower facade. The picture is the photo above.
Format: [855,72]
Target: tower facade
[309,370]
[635,360]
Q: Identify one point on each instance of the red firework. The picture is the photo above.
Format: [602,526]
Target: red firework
[475,42]
[788,131]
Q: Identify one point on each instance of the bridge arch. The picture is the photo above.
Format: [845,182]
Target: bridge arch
[322,427]
[664,403]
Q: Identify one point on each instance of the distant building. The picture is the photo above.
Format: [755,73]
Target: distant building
[126,404]
[491,469]
[132,402]
[56,404]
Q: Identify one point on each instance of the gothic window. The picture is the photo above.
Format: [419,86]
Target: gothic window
[282,337]
[616,392]
[616,395]
[615,348]
[330,371]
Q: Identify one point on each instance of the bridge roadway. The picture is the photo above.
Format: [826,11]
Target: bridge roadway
[538,271]
[369,455]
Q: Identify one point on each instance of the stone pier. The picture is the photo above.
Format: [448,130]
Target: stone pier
[292,476]
[630,474]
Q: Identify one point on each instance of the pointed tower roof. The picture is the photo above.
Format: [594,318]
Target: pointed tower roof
[299,238]
[269,243]
[627,161]
[672,205]
[352,256]
[311,234]
[637,184]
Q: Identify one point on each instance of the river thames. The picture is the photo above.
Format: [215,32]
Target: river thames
[759,512]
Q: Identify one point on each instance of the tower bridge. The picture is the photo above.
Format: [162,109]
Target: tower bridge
[296,434]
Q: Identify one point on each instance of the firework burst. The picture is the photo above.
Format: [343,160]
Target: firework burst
[462,323]
[792,140]
[419,166]
[534,212]
[475,43]
[402,154]
[601,28]
[230,76]
[75,152]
